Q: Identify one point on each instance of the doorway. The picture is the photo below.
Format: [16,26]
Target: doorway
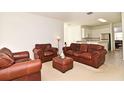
[118,38]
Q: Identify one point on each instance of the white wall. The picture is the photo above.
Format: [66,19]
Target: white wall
[21,31]
[72,33]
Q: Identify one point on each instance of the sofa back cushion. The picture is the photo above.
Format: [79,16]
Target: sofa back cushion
[75,47]
[5,60]
[7,52]
[83,47]
[95,47]
[43,46]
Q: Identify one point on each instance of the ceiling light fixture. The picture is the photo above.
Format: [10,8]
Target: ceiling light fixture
[102,20]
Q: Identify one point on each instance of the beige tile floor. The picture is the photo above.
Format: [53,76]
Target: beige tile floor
[112,70]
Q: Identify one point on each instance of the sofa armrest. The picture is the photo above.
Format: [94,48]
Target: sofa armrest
[103,51]
[21,55]
[38,53]
[100,52]
[20,69]
[95,54]
[98,57]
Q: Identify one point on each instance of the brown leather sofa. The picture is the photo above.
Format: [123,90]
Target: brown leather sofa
[45,52]
[90,54]
[18,66]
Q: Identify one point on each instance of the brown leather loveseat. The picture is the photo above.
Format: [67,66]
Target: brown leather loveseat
[18,66]
[90,54]
[45,52]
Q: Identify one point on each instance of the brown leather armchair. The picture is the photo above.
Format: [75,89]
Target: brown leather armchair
[45,52]
[18,66]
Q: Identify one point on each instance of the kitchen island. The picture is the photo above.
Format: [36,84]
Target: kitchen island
[99,42]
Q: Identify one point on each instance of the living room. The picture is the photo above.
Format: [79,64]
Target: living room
[21,31]
[23,24]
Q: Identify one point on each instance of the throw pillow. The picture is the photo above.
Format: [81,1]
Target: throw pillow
[5,60]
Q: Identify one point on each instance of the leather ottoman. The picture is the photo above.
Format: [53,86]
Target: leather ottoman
[62,64]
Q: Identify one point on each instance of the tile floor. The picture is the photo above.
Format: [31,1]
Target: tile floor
[112,70]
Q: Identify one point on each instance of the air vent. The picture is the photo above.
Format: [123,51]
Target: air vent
[89,13]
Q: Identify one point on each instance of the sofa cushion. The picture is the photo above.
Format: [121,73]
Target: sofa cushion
[86,55]
[48,53]
[7,51]
[39,46]
[70,52]
[83,48]
[75,47]
[47,47]
[94,47]
[44,47]
[77,53]
[5,60]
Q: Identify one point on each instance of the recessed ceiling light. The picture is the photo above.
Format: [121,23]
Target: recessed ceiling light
[102,20]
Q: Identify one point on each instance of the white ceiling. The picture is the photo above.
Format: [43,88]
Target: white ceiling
[82,17]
